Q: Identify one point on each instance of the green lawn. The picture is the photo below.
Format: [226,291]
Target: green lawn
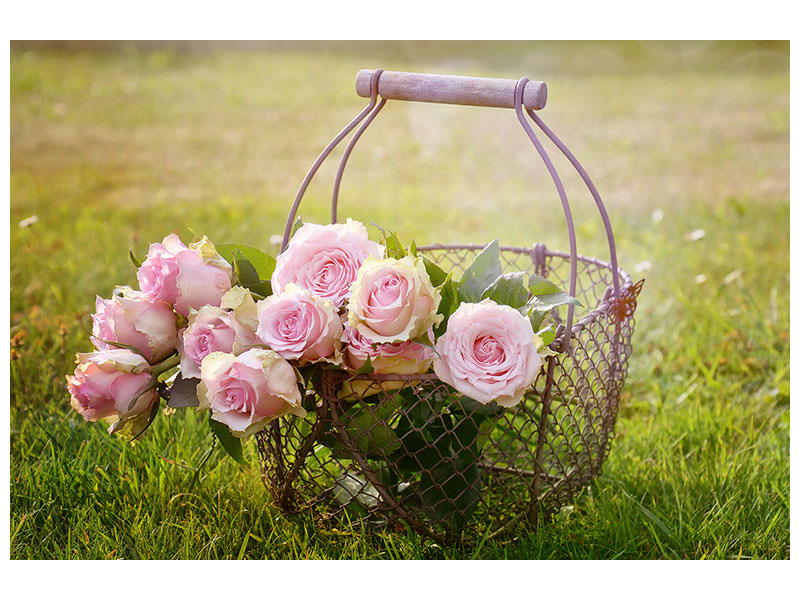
[119,145]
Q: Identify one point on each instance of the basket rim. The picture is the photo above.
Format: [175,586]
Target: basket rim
[587,319]
[627,281]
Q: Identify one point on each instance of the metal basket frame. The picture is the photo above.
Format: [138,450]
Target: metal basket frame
[533,458]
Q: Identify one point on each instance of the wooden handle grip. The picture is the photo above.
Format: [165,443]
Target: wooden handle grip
[452,89]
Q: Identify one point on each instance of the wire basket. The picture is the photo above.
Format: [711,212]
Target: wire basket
[391,448]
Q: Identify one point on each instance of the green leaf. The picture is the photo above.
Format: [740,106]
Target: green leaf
[298,223]
[394,248]
[447,288]
[509,289]
[549,301]
[451,491]
[477,410]
[481,273]
[464,439]
[436,274]
[447,306]
[136,262]
[262,262]
[368,428]
[540,306]
[247,275]
[547,335]
[370,431]
[539,286]
[366,368]
[418,430]
[412,249]
[183,392]
[231,444]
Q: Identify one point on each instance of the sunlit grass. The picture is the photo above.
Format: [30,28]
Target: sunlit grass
[117,149]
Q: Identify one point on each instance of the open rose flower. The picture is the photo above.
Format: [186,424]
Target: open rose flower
[402,358]
[248,391]
[393,300]
[324,259]
[488,353]
[186,276]
[230,328]
[133,319]
[299,326]
[115,384]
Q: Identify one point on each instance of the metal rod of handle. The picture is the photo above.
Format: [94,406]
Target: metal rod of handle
[452,89]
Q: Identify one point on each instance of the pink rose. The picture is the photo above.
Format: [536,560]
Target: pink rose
[393,300]
[186,276]
[402,358]
[112,383]
[229,328]
[133,319]
[488,353]
[324,259]
[248,391]
[297,325]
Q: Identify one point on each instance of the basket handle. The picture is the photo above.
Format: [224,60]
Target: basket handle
[451,89]
[476,91]
[522,95]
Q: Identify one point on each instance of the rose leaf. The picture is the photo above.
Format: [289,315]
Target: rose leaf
[508,289]
[231,444]
[366,368]
[183,392]
[539,286]
[547,335]
[298,223]
[262,262]
[394,248]
[247,275]
[481,273]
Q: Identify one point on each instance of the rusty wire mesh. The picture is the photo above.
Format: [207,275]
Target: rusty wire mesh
[390,448]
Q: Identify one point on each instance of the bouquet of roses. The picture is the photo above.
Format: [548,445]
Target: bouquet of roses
[235,332]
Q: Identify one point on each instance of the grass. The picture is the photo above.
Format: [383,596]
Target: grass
[119,145]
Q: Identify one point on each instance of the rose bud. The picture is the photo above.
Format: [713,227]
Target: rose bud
[402,358]
[324,259]
[132,318]
[187,276]
[488,353]
[228,328]
[297,325]
[115,384]
[248,391]
[393,300]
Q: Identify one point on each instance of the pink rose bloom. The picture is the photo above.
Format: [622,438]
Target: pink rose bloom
[393,300]
[402,358]
[297,325]
[324,259]
[230,329]
[488,353]
[133,319]
[248,391]
[105,383]
[186,276]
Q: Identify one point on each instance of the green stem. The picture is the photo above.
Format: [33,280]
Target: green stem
[165,365]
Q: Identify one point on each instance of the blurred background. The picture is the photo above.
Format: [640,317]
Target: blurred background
[117,144]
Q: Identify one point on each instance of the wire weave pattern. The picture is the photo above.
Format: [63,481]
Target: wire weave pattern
[357,449]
